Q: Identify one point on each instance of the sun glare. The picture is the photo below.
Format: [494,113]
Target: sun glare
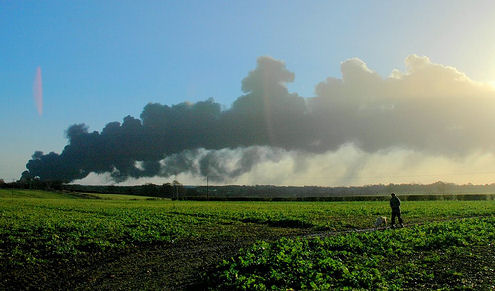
[491,84]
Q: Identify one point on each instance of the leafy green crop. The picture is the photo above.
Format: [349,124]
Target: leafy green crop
[36,231]
[370,260]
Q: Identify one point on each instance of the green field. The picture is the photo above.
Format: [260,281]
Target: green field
[21,193]
[59,241]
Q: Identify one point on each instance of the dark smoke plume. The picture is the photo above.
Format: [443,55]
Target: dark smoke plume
[429,108]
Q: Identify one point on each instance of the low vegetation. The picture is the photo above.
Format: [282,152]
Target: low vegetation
[415,257]
[48,238]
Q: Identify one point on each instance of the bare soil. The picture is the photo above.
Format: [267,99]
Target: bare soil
[181,265]
[167,266]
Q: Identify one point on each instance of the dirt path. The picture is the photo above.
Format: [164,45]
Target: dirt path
[330,233]
[171,266]
[175,266]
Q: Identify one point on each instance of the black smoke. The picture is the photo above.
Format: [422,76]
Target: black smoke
[429,108]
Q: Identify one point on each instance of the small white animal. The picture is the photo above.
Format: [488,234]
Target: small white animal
[380,221]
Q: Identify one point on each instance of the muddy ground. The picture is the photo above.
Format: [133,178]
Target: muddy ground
[166,266]
[181,266]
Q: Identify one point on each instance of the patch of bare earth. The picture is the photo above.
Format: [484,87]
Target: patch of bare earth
[179,265]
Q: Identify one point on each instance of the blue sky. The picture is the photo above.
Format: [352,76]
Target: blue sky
[103,60]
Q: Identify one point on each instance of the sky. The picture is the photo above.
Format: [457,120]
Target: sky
[100,61]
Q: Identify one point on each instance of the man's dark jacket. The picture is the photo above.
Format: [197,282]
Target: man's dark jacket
[395,204]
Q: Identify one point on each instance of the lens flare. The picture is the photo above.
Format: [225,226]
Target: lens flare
[38,91]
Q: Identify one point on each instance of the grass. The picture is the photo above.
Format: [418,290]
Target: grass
[120,197]
[40,194]
[24,193]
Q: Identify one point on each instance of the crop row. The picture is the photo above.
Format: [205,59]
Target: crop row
[389,259]
[35,231]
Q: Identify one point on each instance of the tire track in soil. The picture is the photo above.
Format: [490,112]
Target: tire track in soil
[331,233]
[173,266]
[178,266]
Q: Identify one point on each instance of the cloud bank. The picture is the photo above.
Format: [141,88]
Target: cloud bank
[431,111]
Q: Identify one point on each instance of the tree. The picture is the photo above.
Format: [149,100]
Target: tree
[167,190]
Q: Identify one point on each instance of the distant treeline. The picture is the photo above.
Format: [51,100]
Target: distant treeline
[405,197]
[267,191]
[175,190]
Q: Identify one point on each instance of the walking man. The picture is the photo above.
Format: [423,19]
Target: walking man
[395,205]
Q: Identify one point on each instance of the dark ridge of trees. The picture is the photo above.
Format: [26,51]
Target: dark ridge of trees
[34,184]
[434,191]
[175,190]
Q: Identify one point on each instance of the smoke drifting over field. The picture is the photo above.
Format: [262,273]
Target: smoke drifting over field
[430,110]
